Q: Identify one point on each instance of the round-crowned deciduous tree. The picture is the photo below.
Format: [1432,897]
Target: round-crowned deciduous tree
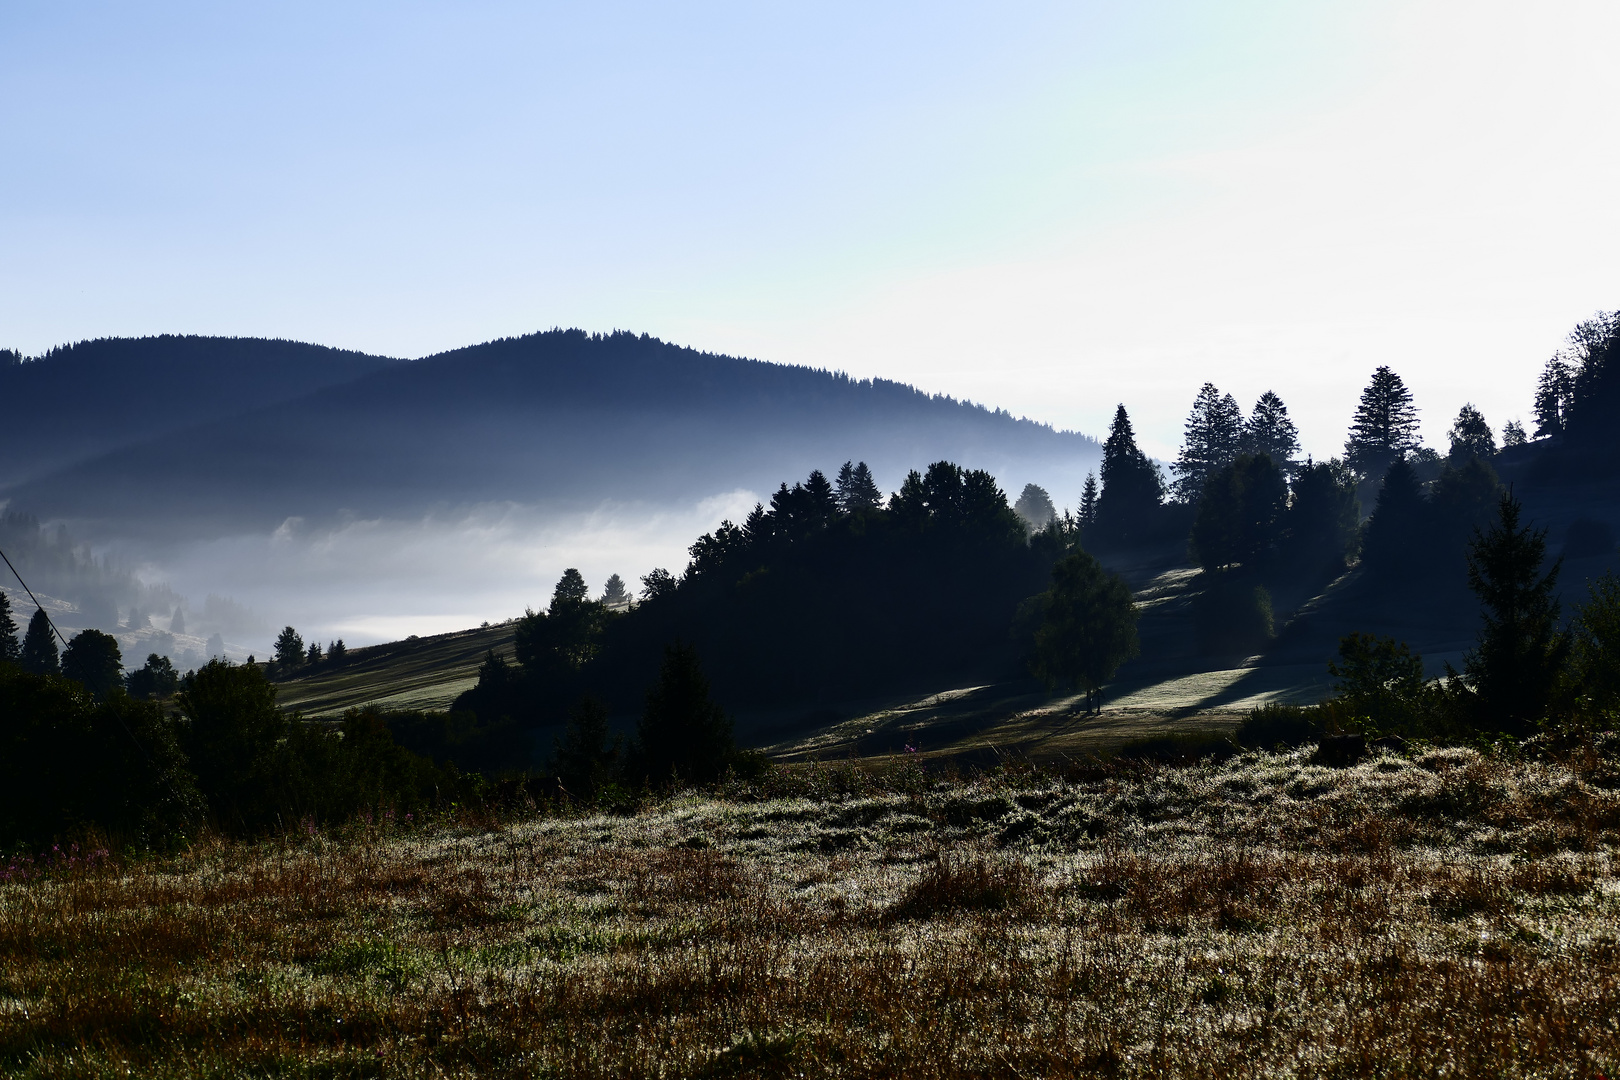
[1089,627]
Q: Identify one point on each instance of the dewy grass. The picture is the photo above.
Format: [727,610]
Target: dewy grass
[1450,914]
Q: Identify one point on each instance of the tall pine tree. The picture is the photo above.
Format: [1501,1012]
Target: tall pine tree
[1213,439]
[1385,425]
[1132,487]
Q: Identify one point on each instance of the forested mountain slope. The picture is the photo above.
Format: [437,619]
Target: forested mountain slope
[79,401]
[562,418]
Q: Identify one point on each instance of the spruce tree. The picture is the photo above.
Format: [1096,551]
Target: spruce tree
[1269,431]
[1132,487]
[39,653]
[820,499]
[862,494]
[1385,425]
[614,594]
[1515,666]
[289,649]
[1088,501]
[1213,437]
[10,647]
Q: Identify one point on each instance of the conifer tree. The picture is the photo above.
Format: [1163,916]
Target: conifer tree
[856,488]
[1514,668]
[289,649]
[177,622]
[39,653]
[1385,425]
[1214,435]
[614,594]
[10,647]
[1513,434]
[1269,431]
[1132,487]
[1088,501]
[820,499]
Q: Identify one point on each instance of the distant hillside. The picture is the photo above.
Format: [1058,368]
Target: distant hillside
[562,418]
[78,401]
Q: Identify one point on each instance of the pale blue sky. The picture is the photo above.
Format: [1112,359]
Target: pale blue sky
[1046,207]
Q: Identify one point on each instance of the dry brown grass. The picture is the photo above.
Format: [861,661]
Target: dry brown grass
[1448,915]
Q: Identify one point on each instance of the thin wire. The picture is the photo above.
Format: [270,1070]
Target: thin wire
[64,640]
[34,598]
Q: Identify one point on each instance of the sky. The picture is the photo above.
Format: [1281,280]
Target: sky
[1045,207]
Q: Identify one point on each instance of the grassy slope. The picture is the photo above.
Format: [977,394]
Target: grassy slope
[1443,915]
[419,673]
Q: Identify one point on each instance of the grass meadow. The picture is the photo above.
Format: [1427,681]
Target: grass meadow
[1443,913]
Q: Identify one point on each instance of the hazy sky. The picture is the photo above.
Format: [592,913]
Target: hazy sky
[1046,207]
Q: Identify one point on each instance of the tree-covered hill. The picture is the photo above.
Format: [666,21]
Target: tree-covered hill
[562,417]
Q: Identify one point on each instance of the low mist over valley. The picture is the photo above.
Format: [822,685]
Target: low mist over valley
[371,498]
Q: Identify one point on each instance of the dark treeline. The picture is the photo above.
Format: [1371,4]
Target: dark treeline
[821,596]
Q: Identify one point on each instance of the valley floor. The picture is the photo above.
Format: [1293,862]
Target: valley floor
[1447,914]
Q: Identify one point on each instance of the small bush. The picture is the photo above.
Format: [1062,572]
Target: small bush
[1273,726]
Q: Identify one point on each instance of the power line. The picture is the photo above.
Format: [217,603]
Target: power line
[35,599]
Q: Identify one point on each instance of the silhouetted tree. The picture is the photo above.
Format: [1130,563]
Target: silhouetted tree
[570,589]
[856,488]
[1035,507]
[314,655]
[93,660]
[289,649]
[10,647]
[564,637]
[585,757]
[1471,436]
[1214,437]
[1240,514]
[1555,391]
[39,653]
[337,652]
[157,679]
[1269,431]
[1513,434]
[1515,666]
[1385,425]
[614,594]
[177,621]
[1088,628]
[1462,499]
[1399,523]
[1087,515]
[1594,400]
[232,728]
[656,584]
[683,734]
[1323,523]
[1132,488]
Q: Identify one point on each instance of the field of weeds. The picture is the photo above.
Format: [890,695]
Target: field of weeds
[1444,914]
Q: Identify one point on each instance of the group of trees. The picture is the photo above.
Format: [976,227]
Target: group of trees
[290,655]
[78,756]
[826,593]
